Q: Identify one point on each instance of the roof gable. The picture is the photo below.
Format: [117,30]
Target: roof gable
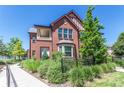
[62,21]
[70,15]
[74,14]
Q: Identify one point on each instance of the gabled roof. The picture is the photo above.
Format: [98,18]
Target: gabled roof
[67,16]
[64,16]
[73,12]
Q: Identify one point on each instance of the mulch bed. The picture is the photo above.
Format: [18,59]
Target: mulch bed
[66,84]
[36,75]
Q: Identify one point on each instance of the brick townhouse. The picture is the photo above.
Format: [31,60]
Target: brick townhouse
[61,35]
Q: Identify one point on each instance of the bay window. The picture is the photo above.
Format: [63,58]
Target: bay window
[68,51]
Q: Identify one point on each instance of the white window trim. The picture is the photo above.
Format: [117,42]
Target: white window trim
[63,49]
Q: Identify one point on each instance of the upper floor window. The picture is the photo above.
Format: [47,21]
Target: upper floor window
[43,33]
[70,33]
[60,33]
[65,33]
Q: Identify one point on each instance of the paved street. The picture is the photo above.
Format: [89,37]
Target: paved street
[23,79]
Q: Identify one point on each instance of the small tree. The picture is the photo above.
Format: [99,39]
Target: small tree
[18,50]
[3,48]
[118,47]
[92,42]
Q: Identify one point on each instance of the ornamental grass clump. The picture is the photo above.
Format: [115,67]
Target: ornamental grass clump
[105,68]
[89,75]
[54,73]
[77,76]
[31,65]
[111,66]
[97,71]
[43,68]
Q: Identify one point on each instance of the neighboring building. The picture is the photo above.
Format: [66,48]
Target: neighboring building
[62,35]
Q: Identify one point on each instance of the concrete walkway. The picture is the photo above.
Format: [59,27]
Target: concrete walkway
[23,79]
[3,78]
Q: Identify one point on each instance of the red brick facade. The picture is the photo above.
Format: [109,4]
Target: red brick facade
[52,44]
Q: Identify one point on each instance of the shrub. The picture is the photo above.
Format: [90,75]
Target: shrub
[56,56]
[54,73]
[68,64]
[88,73]
[76,76]
[120,63]
[43,68]
[105,68]
[31,65]
[97,70]
[2,62]
[109,58]
[111,66]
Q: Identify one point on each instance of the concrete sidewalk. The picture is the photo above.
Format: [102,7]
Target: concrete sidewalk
[23,79]
[3,78]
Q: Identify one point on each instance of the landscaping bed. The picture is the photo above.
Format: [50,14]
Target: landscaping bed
[50,72]
[115,79]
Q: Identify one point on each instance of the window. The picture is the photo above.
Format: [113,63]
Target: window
[67,50]
[33,53]
[44,51]
[33,39]
[60,33]
[60,48]
[70,33]
[43,33]
[65,33]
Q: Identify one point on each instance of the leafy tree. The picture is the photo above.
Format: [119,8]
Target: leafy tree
[118,47]
[92,42]
[11,45]
[18,50]
[3,48]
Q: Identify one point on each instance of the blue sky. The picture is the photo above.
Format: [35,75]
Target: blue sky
[15,21]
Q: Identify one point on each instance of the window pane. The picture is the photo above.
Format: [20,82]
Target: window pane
[34,39]
[44,50]
[65,33]
[60,48]
[67,50]
[60,33]
[70,33]
[44,33]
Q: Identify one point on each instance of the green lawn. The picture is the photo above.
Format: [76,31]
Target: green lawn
[115,79]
